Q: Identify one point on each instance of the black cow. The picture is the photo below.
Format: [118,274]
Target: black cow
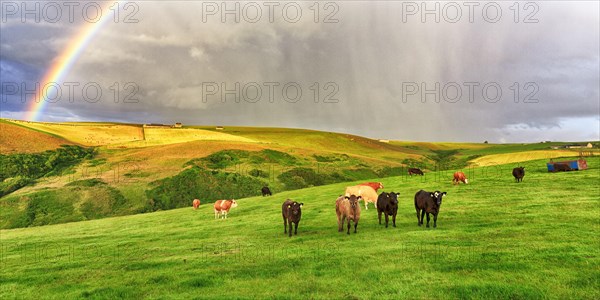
[291,211]
[387,203]
[266,191]
[519,173]
[415,171]
[430,203]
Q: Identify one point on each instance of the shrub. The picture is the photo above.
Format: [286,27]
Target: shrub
[87,182]
[304,177]
[47,208]
[30,166]
[224,158]
[10,185]
[258,173]
[207,185]
[331,158]
[391,171]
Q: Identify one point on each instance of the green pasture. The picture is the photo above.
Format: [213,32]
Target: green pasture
[496,239]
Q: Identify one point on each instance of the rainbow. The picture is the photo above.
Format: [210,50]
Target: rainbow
[62,64]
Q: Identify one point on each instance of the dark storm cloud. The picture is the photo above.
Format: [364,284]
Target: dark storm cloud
[368,54]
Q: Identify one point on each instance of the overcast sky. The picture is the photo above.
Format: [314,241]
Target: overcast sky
[375,60]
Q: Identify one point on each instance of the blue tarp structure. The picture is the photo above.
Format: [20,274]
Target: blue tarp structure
[574,164]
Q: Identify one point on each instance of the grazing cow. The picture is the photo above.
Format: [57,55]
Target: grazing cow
[291,211]
[387,203]
[415,171]
[374,185]
[460,177]
[347,207]
[519,173]
[562,167]
[196,203]
[367,194]
[266,191]
[426,202]
[222,208]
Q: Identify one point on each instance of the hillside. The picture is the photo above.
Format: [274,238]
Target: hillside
[145,166]
[495,239]
[19,139]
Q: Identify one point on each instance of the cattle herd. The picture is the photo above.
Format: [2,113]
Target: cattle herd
[347,207]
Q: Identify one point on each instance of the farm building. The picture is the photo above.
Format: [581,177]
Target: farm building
[220,128]
[384,141]
[574,146]
[580,164]
[178,125]
[577,146]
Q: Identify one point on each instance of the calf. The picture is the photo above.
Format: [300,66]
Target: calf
[387,203]
[347,207]
[291,211]
[266,191]
[460,177]
[222,208]
[196,203]
[415,171]
[374,185]
[519,173]
[426,202]
[366,193]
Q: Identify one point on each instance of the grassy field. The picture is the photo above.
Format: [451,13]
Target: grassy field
[90,134]
[496,239]
[522,156]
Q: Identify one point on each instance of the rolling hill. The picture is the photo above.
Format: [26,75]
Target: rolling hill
[142,165]
[20,139]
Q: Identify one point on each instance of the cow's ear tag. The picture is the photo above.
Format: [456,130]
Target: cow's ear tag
[289,206]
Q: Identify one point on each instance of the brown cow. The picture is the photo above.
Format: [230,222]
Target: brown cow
[347,207]
[460,177]
[196,203]
[374,185]
[222,208]
[291,211]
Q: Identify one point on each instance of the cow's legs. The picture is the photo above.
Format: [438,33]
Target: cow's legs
[422,217]
[284,225]
[394,219]
[355,225]
[216,214]
[379,215]
[418,216]
[366,204]
[386,220]
[295,228]
[434,220]
[427,220]
[348,225]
